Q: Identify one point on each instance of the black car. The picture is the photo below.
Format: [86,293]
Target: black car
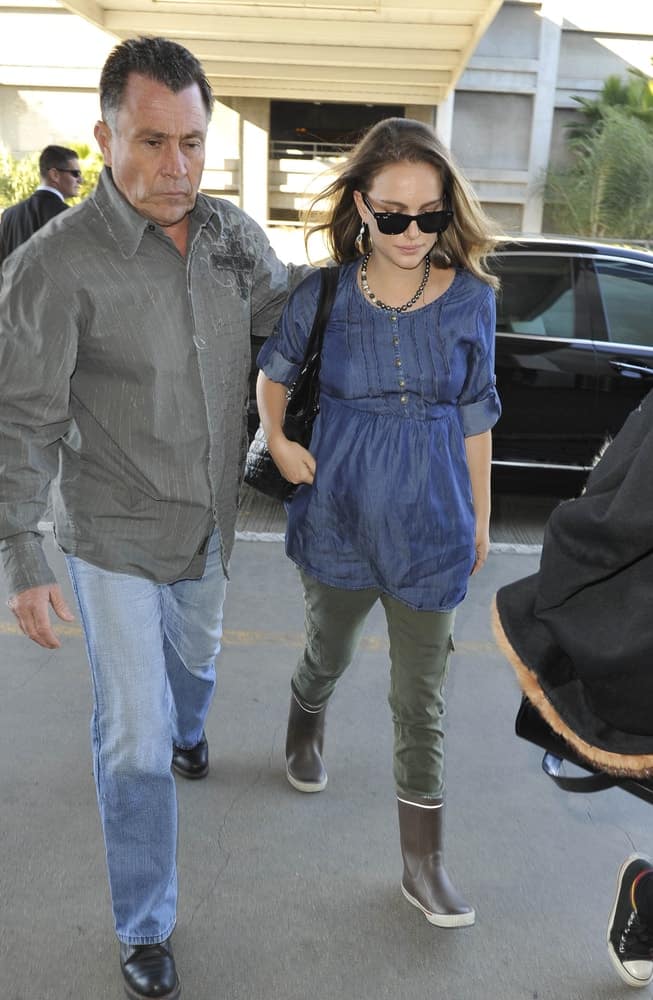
[574,351]
[574,355]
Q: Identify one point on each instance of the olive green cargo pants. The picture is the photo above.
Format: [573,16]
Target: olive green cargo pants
[420,643]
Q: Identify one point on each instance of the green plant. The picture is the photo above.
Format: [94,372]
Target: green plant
[608,190]
[634,97]
[18,178]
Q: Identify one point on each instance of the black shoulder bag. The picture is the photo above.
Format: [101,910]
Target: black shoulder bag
[303,402]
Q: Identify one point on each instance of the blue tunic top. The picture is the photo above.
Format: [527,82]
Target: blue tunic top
[391,503]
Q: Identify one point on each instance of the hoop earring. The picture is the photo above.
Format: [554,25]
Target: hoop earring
[359,242]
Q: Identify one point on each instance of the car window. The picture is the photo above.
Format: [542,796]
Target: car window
[536,296]
[627,296]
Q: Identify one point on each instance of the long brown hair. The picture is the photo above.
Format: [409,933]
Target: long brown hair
[465,243]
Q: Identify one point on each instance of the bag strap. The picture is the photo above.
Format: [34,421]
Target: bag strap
[530,726]
[640,787]
[597,782]
[328,284]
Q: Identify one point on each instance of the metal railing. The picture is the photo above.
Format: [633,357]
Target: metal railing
[306,150]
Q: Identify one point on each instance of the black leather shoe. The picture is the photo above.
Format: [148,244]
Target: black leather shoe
[192,763]
[149,971]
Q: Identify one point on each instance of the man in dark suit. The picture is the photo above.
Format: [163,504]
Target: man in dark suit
[61,178]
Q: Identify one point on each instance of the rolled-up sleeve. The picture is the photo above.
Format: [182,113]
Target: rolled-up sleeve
[479,403]
[272,282]
[282,354]
[38,348]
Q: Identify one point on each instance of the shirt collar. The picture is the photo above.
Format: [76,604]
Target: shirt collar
[44,187]
[125,224]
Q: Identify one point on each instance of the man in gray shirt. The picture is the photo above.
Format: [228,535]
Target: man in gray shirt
[124,357]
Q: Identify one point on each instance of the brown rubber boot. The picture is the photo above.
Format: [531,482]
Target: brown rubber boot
[304,741]
[425,883]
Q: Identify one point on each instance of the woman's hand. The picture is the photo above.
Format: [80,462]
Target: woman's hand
[479,458]
[295,463]
[481,547]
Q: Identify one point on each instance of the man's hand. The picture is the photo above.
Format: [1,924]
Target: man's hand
[31,609]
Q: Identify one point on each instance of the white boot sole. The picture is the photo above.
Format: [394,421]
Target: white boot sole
[306,786]
[442,919]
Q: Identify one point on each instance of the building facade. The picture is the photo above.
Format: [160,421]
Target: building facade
[500,104]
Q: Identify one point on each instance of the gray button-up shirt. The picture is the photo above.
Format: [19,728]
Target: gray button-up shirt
[123,379]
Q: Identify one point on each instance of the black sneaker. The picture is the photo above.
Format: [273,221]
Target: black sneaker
[630,942]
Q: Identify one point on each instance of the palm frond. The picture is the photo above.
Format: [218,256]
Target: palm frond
[608,190]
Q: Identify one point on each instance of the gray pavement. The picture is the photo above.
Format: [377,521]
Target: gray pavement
[285,896]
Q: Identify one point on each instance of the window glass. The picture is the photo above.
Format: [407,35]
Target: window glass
[627,295]
[536,296]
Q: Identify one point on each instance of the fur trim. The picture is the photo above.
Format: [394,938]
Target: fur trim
[621,765]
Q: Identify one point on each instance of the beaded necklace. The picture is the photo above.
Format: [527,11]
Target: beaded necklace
[377,302]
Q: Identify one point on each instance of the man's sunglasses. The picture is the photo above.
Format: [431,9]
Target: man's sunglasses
[67,170]
[394,223]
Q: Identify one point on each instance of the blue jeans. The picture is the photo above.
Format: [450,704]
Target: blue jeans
[152,651]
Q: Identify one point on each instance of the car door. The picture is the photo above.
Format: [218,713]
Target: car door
[545,361]
[621,294]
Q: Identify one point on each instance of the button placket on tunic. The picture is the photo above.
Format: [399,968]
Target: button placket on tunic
[390,505]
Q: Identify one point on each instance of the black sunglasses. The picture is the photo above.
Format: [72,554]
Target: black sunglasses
[394,223]
[67,170]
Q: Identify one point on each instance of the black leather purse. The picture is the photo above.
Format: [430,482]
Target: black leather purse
[530,726]
[303,402]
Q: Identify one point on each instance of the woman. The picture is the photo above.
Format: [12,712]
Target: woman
[395,504]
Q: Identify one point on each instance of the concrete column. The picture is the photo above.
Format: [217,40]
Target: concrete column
[254,130]
[444,119]
[543,108]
